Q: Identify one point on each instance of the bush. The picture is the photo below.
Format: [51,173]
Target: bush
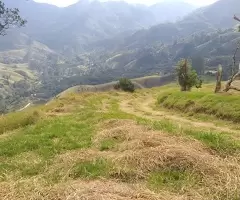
[187,77]
[125,85]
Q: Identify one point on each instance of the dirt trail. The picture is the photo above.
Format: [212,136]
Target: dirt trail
[29,104]
[143,108]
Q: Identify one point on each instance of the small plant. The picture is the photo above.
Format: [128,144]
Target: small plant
[91,169]
[173,179]
[108,144]
[125,85]
[187,77]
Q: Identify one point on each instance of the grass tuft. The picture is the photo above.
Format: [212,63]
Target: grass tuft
[108,144]
[91,169]
[174,180]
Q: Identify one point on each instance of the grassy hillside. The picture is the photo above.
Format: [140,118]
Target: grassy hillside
[139,83]
[118,146]
[203,101]
[16,82]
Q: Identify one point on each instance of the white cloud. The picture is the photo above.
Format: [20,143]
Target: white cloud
[60,3]
[63,3]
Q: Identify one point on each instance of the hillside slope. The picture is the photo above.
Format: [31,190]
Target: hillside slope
[159,48]
[118,146]
[139,83]
[74,27]
[97,50]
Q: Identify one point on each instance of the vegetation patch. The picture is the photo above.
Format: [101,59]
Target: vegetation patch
[48,138]
[108,144]
[89,145]
[17,120]
[91,169]
[174,180]
[221,142]
[125,85]
[222,106]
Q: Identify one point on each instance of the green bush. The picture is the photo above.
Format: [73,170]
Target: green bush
[125,85]
[187,77]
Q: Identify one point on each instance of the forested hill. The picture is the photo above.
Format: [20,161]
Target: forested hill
[98,42]
[204,33]
[75,26]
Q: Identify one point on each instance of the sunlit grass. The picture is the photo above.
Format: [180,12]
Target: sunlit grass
[223,106]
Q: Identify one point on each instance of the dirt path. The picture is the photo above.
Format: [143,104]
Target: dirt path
[142,107]
[25,107]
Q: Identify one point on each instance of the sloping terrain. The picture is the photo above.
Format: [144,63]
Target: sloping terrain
[139,83]
[117,145]
[203,33]
[16,83]
[95,42]
[74,27]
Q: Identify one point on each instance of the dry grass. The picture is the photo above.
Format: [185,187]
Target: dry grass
[84,190]
[138,162]
[138,152]
[147,151]
[139,83]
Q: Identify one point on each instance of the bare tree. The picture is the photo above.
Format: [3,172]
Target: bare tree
[236,18]
[235,73]
[219,79]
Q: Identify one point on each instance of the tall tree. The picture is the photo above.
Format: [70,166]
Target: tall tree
[9,17]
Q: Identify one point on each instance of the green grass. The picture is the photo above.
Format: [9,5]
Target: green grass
[46,139]
[49,137]
[91,169]
[221,142]
[223,106]
[108,144]
[18,120]
[173,180]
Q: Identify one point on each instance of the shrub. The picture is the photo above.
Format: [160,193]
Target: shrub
[187,77]
[125,85]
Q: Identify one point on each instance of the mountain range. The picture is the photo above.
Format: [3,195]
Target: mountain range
[94,42]
[75,26]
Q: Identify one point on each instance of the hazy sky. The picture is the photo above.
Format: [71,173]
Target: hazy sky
[63,3]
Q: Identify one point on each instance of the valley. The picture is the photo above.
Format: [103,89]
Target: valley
[86,48]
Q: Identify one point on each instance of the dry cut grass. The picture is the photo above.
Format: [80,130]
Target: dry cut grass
[146,152]
[89,149]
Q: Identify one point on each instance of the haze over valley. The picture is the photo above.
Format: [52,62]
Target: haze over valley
[92,42]
[119,100]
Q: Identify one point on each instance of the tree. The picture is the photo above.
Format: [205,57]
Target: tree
[187,77]
[125,84]
[235,67]
[9,17]
[198,64]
